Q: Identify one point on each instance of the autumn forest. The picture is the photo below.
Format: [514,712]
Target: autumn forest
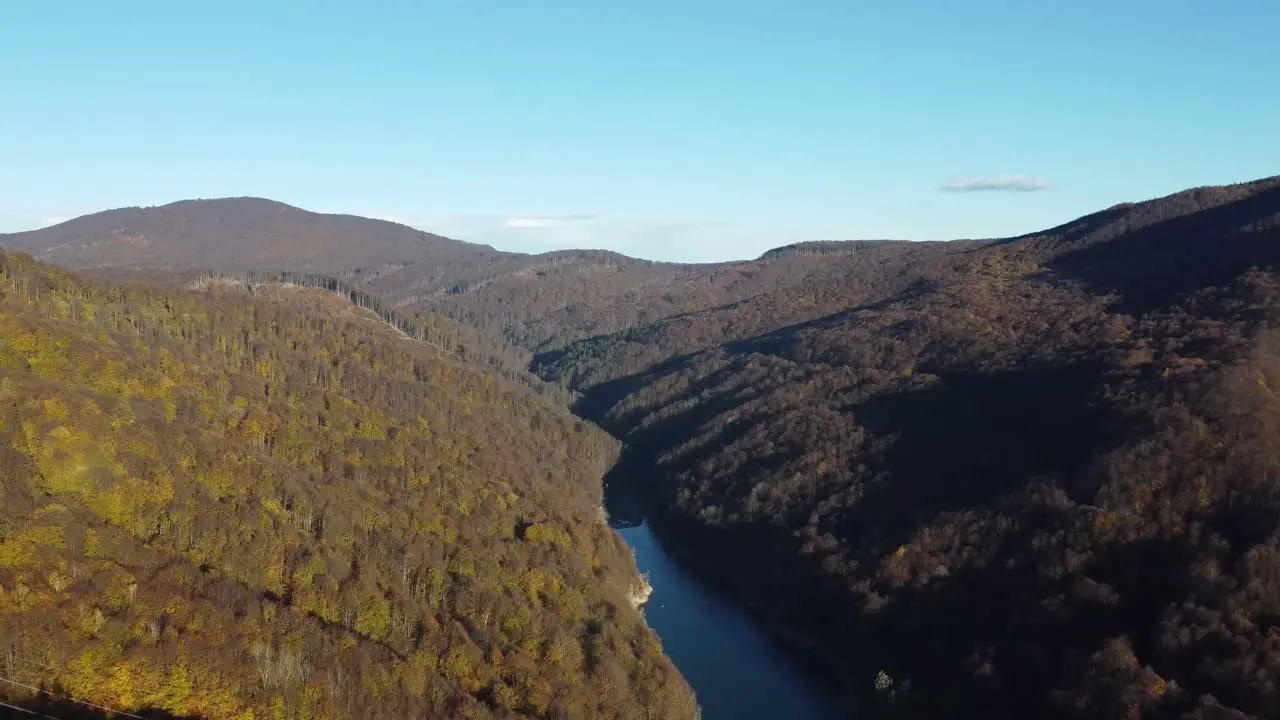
[257,462]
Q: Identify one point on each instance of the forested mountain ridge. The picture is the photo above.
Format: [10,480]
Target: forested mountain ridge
[539,302]
[550,309]
[230,506]
[1033,477]
[409,268]
[235,234]
[466,343]
[811,281]
[1027,477]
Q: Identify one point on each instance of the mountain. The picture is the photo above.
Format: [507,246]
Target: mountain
[260,500]
[1022,477]
[411,269]
[1030,477]
[538,302]
[236,234]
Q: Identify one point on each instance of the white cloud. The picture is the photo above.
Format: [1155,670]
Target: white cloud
[1005,183]
[545,221]
[672,240]
[519,222]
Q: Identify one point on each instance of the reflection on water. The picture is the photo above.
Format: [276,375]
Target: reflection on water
[736,671]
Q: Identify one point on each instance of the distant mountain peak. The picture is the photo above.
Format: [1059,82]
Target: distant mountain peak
[236,233]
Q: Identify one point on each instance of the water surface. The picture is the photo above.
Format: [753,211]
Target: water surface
[737,672]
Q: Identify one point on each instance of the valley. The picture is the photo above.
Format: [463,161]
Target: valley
[1008,478]
[736,668]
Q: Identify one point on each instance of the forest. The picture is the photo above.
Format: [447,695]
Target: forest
[1033,477]
[226,504]
[1025,477]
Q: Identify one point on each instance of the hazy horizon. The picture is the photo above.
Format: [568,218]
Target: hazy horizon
[51,222]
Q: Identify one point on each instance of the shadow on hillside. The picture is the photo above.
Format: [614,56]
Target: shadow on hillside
[969,442]
[975,437]
[596,402]
[1034,631]
[1074,229]
[624,491]
[64,709]
[777,342]
[961,444]
[1154,266]
[964,444]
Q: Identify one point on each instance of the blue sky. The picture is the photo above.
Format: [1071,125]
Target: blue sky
[684,130]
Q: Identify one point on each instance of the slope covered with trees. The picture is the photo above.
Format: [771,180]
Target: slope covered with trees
[565,297]
[225,505]
[529,299]
[538,302]
[468,344]
[1034,477]
[237,234]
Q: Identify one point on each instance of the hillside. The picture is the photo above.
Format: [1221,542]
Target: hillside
[1028,477]
[1032,477]
[538,302]
[223,504]
[546,308]
[411,269]
[236,234]
[456,340]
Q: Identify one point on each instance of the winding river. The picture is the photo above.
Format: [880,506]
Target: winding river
[737,672]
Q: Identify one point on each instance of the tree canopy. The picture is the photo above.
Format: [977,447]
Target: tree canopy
[228,505]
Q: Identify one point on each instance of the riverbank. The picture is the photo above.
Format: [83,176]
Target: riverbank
[736,670]
[816,660]
[715,630]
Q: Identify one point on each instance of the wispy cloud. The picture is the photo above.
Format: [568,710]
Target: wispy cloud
[684,240]
[1004,183]
[545,221]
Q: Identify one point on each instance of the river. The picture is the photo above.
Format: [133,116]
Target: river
[736,671]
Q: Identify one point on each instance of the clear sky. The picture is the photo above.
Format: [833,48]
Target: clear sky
[672,129]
